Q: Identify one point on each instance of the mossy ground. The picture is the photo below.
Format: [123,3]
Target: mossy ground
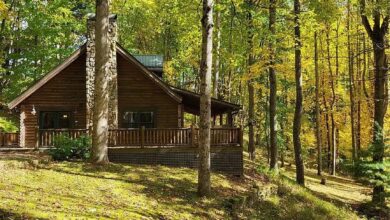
[36,188]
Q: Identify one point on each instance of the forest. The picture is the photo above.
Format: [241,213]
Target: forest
[310,76]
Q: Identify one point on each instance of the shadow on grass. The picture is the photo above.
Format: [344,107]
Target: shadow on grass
[5,214]
[177,191]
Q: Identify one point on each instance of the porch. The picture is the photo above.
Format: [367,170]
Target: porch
[147,137]
[163,146]
[135,138]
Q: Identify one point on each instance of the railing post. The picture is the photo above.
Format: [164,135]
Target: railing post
[37,137]
[241,136]
[142,136]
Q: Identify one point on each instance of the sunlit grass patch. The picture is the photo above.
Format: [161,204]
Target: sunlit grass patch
[50,190]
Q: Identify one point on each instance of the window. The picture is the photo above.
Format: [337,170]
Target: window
[55,120]
[138,119]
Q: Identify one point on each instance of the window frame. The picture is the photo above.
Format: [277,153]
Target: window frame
[126,120]
[57,119]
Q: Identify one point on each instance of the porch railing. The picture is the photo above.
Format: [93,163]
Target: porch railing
[150,137]
[45,137]
[9,139]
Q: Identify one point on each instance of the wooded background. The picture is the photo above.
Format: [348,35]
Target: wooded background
[35,36]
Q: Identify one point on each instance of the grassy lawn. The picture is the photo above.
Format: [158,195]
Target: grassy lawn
[338,189]
[32,187]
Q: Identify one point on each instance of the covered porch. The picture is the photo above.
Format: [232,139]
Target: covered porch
[222,112]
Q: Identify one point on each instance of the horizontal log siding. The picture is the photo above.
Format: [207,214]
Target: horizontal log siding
[65,92]
[139,93]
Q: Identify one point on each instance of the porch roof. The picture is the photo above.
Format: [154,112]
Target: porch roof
[191,102]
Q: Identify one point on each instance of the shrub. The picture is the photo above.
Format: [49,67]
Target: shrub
[66,148]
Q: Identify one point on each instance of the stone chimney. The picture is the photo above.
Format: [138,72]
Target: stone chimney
[90,69]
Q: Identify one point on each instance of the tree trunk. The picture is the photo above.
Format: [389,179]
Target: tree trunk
[377,33]
[204,183]
[332,106]
[251,96]
[318,115]
[217,52]
[351,85]
[100,111]
[300,175]
[358,93]
[273,88]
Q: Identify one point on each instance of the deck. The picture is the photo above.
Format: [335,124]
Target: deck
[163,146]
[135,138]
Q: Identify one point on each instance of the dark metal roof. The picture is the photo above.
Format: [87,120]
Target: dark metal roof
[191,102]
[151,61]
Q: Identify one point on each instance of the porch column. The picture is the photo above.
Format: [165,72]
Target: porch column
[22,127]
[230,119]
[221,119]
[180,116]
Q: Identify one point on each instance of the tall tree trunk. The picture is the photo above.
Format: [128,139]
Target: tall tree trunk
[230,52]
[351,83]
[267,129]
[251,95]
[204,183]
[217,52]
[318,115]
[273,87]
[358,92]
[377,33]
[300,175]
[332,105]
[100,110]
[251,144]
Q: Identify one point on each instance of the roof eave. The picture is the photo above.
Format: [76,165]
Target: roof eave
[28,92]
[236,107]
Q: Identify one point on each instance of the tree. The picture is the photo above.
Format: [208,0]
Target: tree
[100,110]
[217,52]
[273,87]
[204,183]
[300,175]
[251,61]
[318,114]
[377,34]
[351,83]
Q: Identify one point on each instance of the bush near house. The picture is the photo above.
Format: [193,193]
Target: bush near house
[67,148]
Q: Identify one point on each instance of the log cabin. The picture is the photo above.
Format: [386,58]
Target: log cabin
[146,115]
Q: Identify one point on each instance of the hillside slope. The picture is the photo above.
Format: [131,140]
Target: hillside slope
[32,187]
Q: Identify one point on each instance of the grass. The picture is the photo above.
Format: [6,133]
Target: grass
[338,189]
[33,187]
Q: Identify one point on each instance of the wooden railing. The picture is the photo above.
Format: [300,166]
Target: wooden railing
[9,139]
[225,136]
[150,137]
[172,137]
[124,137]
[45,137]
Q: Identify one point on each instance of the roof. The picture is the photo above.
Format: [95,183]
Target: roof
[27,93]
[191,102]
[148,73]
[151,61]
[47,77]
